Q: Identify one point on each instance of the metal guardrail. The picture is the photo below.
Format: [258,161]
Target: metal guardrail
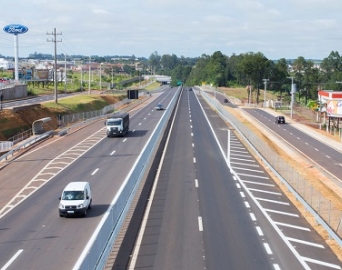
[20,137]
[280,168]
[26,144]
[96,253]
[5,146]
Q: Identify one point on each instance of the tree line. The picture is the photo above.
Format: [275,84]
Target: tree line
[253,69]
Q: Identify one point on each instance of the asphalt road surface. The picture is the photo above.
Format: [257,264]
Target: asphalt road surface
[32,235]
[204,216]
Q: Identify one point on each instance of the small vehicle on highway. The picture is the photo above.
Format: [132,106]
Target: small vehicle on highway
[76,199]
[280,120]
[159,107]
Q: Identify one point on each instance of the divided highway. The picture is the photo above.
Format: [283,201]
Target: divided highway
[32,235]
[202,215]
[322,154]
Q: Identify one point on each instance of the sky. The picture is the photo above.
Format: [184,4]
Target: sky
[190,28]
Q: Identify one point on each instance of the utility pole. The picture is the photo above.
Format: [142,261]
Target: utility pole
[65,75]
[81,79]
[293,90]
[100,76]
[112,79]
[265,83]
[89,73]
[54,40]
[1,97]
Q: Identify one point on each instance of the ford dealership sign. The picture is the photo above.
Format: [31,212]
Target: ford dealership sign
[15,29]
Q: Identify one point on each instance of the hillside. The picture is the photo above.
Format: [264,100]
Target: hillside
[15,121]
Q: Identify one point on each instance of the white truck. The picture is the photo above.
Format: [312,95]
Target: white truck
[117,124]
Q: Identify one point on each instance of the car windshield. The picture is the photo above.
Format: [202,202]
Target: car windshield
[73,195]
[114,122]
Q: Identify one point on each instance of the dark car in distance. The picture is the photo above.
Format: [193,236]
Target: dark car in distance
[280,120]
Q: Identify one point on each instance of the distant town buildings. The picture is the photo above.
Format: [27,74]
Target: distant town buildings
[6,64]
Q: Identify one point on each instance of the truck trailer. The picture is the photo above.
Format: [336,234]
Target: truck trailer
[117,124]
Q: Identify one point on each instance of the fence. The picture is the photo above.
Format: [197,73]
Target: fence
[20,137]
[96,253]
[5,146]
[324,210]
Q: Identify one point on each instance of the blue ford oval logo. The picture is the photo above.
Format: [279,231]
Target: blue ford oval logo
[15,29]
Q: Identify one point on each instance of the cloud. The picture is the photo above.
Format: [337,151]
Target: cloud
[276,28]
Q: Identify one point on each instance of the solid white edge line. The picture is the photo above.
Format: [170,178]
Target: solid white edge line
[12,259]
[148,207]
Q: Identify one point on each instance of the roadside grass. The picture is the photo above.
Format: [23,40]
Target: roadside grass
[152,86]
[242,94]
[79,103]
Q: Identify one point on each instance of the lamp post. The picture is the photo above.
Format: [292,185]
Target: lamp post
[292,94]
[112,79]
[1,97]
[65,76]
[265,83]
[81,79]
[89,74]
[100,76]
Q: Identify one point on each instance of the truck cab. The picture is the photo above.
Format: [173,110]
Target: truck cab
[117,124]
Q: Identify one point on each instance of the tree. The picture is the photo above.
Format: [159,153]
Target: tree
[216,69]
[154,61]
[255,66]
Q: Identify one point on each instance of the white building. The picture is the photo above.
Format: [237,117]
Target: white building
[6,64]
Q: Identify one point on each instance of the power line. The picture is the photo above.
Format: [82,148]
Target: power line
[54,40]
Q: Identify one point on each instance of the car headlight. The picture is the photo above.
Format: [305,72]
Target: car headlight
[80,205]
[61,206]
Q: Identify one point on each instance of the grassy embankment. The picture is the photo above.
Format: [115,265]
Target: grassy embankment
[16,122]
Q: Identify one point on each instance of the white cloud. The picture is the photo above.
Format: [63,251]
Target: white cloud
[288,29]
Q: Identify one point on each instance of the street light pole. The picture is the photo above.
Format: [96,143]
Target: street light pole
[89,74]
[1,97]
[65,76]
[100,76]
[265,83]
[112,79]
[81,79]
[292,93]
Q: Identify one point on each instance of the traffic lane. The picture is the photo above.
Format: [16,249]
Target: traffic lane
[105,178]
[172,239]
[282,214]
[22,169]
[222,99]
[31,100]
[230,237]
[47,241]
[87,165]
[327,157]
